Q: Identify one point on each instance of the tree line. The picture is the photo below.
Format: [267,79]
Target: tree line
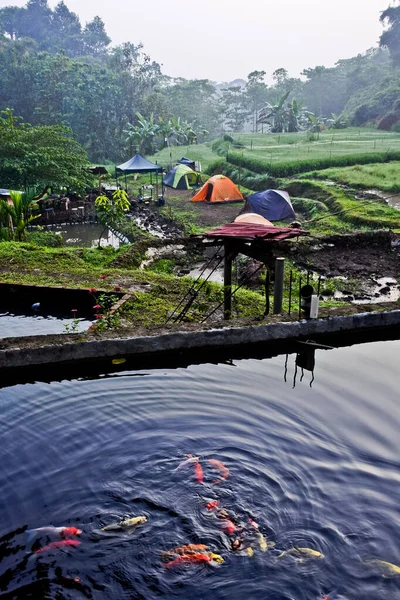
[54,71]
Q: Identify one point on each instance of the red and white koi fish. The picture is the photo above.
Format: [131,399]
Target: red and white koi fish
[190,459]
[194,558]
[221,468]
[198,472]
[56,545]
[213,504]
[253,523]
[229,526]
[64,532]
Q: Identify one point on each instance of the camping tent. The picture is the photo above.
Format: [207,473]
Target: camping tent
[218,189]
[187,162]
[182,177]
[138,164]
[273,205]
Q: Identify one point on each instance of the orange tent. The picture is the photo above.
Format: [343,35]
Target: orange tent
[218,189]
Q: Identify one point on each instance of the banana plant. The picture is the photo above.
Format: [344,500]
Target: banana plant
[275,115]
[143,133]
[19,209]
[337,122]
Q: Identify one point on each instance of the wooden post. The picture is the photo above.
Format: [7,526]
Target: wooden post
[267,284]
[278,285]
[227,282]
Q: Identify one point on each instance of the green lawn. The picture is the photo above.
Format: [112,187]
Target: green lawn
[330,143]
[380,176]
[289,146]
[201,152]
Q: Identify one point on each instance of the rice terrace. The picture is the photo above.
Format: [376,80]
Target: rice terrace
[200,301]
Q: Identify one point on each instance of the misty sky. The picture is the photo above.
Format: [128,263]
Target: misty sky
[227,39]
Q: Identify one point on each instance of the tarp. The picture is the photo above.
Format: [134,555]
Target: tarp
[182,177]
[273,205]
[138,164]
[218,189]
[254,230]
[187,162]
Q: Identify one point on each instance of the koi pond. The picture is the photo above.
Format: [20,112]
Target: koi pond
[291,478]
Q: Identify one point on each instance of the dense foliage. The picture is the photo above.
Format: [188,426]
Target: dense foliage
[56,71]
[45,155]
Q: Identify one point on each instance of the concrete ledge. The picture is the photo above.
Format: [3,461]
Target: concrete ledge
[169,343]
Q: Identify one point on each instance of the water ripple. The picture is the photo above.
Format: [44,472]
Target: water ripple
[314,467]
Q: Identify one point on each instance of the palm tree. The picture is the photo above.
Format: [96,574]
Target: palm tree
[19,210]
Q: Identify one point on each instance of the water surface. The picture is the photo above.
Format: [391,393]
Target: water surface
[315,467]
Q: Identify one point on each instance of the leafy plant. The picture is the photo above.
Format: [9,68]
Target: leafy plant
[110,212]
[19,209]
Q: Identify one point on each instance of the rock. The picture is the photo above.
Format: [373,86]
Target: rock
[385,290]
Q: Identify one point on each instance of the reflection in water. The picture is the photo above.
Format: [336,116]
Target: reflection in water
[20,325]
[305,359]
[86,235]
[314,468]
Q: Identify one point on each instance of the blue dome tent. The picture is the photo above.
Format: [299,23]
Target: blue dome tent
[273,205]
[188,162]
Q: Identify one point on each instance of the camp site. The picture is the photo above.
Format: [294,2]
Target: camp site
[199,301]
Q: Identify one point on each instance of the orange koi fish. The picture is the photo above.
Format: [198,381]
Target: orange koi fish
[194,558]
[64,532]
[212,504]
[198,473]
[221,468]
[55,545]
[188,549]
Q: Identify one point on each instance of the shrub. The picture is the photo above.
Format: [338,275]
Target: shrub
[47,239]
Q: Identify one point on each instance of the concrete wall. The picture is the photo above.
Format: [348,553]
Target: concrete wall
[168,344]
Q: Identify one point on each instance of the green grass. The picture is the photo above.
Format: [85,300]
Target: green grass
[287,147]
[367,214]
[380,176]
[167,158]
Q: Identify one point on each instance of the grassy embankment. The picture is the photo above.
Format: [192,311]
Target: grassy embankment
[74,267]
[385,177]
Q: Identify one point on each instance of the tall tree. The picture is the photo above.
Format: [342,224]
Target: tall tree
[95,38]
[234,108]
[66,30]
[35,22]
[257,94]
[9,20]
[391,37]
